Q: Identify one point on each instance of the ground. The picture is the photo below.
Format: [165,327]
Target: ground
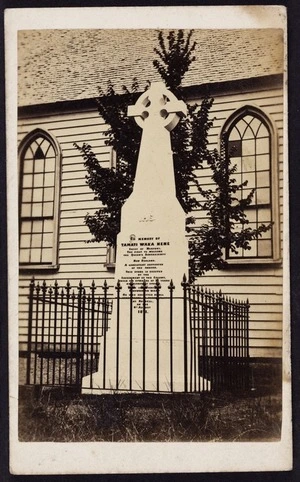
[60,416]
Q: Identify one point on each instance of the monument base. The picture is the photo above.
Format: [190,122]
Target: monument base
[94,387]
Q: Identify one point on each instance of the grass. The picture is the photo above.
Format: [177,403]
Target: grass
[64,417]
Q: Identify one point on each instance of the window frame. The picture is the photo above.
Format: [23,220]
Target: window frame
[24,145]
[274,180]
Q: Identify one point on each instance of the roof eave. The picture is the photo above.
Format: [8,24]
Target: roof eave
[192,92]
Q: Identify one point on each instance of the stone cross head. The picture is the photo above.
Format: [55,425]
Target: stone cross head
[158,105]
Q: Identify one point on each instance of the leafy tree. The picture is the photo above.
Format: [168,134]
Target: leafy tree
[227,226]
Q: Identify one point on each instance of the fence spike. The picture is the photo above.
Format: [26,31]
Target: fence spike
[118,288]
[131,284]
[157,284]
[184,282]
[171,285]
[44,287]
[105,287]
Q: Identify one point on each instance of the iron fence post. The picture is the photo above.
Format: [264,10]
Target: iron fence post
[144,287]
[157,289]
[28,368]
[55,324]
[44,289]
[93,287]
[37,290]
[131,289]
[82,350]
[171,288]
[247,329]
[191,315]
[118,289]
[184,285]
[105,309]
[78,349]
[67,327]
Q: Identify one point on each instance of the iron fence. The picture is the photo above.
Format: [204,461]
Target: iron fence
[220,341]
[69,337]
[65,325]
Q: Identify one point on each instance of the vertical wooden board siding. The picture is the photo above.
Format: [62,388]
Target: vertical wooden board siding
[81,260]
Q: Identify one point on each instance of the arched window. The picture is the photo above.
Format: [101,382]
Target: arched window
[39,199]
[250,145]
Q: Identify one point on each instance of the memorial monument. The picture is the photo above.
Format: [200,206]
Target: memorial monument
[152,249]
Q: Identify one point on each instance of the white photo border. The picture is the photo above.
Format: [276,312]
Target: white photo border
[96,457]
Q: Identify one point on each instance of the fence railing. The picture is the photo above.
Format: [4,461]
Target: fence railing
[69,336]
[65,325]
[220,326]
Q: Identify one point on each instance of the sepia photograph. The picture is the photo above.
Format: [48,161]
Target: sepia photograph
[149,279]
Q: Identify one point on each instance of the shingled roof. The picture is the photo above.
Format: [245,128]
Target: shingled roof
[62,65]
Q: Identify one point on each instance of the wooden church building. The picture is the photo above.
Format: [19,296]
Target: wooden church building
[59,72]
